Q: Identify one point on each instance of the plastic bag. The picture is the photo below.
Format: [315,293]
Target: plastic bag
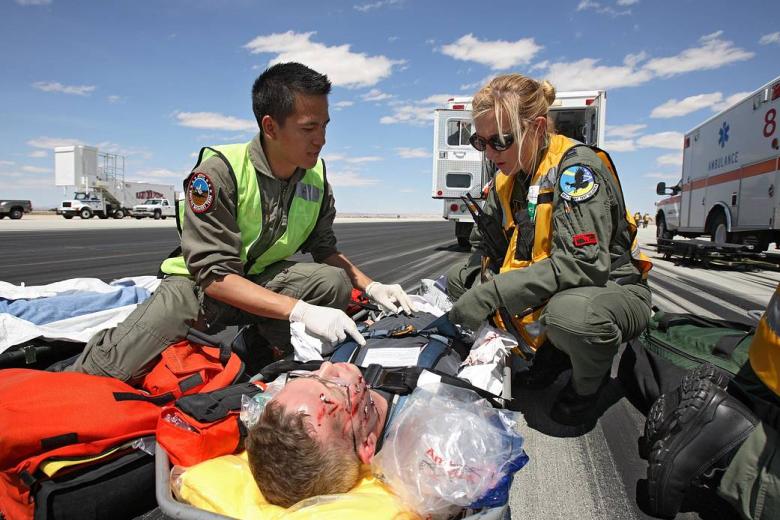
[252,407]
[447,449]
[434,293]
[484,366]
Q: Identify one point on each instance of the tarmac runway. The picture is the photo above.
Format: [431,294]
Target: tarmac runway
[586,475]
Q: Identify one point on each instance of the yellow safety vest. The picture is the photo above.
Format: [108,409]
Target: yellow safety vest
[540,197]
[764,350]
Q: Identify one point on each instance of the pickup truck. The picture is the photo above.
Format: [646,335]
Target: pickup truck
[155,208]
[14,208]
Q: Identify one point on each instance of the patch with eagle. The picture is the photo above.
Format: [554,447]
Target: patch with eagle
[200,193]
[577,183]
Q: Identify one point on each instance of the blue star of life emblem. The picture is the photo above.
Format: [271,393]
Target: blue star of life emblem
[723,134]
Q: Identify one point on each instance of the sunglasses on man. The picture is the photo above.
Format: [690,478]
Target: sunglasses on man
[499,143]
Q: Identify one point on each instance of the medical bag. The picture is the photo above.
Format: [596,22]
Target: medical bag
[673,343]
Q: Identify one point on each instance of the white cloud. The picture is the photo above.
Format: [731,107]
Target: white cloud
[416,113]
[336,157]
[343,67]
[729,101]
[364,8]
[624,131]
[35,169]
[114,99]
[37,154]
[669,140]
[215,121]
[620,145]
[664,176]
[770,38]
[413,153]
[161,173]
[672,159]
[350,179]
[109,147]
[675,107]
[56,86]
[338,105]
[497,54]
[605,9]
[392,39]
[587,74]
[713,53]
[376,95]
[33,2]
[49,143]
[7,163]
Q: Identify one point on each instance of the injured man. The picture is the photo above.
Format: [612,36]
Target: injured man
[323,431]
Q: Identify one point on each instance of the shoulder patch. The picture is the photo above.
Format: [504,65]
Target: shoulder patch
[577,183]
[200,193]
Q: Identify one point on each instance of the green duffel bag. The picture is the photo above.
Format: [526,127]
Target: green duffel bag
[656,361]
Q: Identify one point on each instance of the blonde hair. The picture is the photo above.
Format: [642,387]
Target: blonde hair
[521,98]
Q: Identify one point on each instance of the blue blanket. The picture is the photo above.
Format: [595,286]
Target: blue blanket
[46,310]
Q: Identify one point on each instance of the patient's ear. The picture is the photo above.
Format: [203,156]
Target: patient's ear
[367,449]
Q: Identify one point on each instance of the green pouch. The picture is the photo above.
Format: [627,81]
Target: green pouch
[687,340]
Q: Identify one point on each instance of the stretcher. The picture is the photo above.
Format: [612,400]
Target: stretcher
[710,254]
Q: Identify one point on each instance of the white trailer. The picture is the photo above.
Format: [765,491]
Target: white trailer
[98,180]
[729,176]
[459,169]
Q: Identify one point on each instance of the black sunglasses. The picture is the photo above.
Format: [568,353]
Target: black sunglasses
[497,142]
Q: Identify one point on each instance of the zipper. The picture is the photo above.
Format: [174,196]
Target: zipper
[690,357]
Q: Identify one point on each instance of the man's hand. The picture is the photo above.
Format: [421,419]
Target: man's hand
[386,296]
[328,325]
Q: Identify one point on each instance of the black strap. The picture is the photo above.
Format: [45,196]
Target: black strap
[403,380]
[58,441]
[216,405]
[225,348]
[158,400]
[190,382]
[545,198]
[672,319]
[727,344]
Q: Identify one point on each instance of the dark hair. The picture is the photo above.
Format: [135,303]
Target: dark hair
[273,93]
[289,465]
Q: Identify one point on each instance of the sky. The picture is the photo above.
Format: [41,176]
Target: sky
[155,81]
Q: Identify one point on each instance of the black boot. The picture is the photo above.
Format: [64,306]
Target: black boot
[573,409]
[661,411]
[698,441]
[548,363]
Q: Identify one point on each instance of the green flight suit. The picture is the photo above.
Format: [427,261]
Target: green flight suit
[751,482]
[211,246]
[592,307]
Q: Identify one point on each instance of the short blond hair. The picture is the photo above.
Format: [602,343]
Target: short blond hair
[521,98]
[289,464]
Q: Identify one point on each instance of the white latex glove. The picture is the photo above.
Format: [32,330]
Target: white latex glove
[328,325]
[386,296]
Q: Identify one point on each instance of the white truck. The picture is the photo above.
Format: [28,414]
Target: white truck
[459,169]
[729,176]
[100,187]
[155,208]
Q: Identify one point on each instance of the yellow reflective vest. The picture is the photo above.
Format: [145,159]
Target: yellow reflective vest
[540,197]
[764,350]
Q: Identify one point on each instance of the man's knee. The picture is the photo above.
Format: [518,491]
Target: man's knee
[328,286]
[572,317]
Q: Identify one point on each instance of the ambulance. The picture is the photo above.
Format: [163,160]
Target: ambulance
[459,169]
[729,185]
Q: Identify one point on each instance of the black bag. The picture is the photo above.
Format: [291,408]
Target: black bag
[120,488]
[656,361]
